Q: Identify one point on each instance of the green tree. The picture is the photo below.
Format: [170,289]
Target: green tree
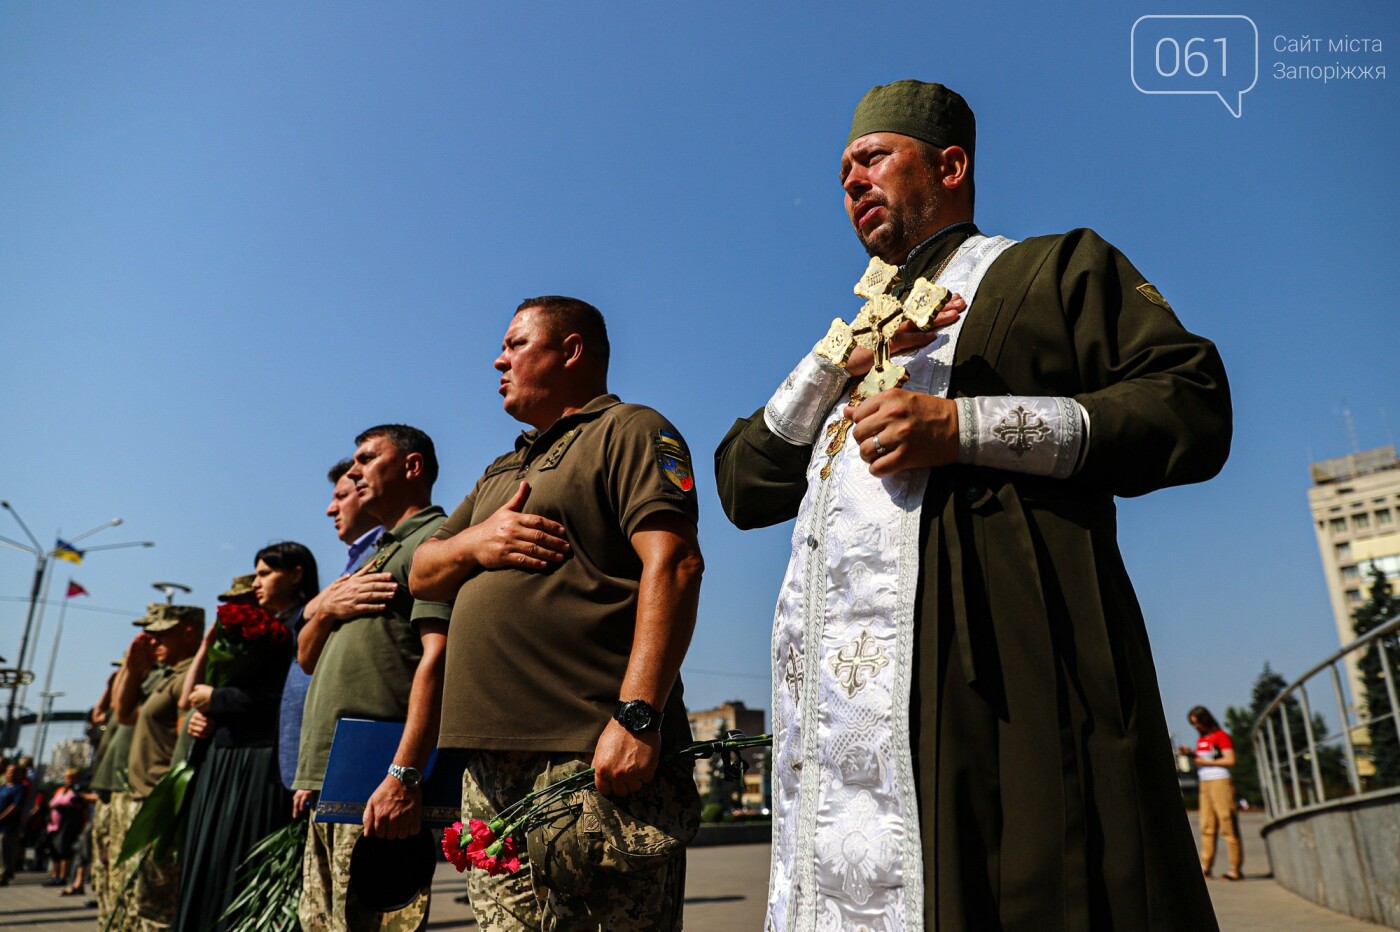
[1240,721]
[1381,605]
[1245,773]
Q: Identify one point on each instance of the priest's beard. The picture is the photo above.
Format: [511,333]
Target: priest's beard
[908,225]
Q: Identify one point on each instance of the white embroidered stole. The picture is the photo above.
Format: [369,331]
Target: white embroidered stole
[846,846]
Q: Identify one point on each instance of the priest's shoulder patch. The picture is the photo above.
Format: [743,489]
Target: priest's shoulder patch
[673,459]
[1150,292]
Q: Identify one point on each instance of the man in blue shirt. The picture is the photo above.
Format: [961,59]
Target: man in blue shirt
[342,599]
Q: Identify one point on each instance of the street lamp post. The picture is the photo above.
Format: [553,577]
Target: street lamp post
[46,699]
[42,557]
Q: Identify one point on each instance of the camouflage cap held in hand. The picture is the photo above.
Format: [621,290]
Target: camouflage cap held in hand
[930,112]
[241,588]
[171,616]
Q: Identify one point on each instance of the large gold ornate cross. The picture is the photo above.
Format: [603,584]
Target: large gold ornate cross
[873,329]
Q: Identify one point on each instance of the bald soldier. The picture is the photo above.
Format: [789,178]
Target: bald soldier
[967,725]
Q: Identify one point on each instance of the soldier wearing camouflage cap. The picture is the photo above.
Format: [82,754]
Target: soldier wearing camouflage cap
[239,591]
[166,647]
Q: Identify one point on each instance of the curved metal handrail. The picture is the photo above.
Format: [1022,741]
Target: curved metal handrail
[1277,798]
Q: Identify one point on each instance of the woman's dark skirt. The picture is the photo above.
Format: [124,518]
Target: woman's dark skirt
[238,800]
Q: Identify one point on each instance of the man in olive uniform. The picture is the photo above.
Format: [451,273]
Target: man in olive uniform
[366,663]
[576,569]
[112,813]
[171,637]
[962,672]
[104,782]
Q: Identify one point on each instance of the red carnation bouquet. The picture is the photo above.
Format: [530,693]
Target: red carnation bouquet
[494,846]
[246,637]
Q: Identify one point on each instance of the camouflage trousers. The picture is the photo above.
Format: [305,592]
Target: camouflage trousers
[327,903]
[603,864]
[99,870]
[148,905]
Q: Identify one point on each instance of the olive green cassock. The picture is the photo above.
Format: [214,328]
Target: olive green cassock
[1046,790]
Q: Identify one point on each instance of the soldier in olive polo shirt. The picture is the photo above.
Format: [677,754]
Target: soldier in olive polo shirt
[367,667]
[171,637]
[577,572]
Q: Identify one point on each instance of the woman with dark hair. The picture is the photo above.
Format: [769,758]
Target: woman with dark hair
[1214,755]
[237,795]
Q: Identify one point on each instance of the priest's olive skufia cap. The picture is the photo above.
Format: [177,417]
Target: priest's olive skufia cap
[241,588]
[169,616]
[930,112]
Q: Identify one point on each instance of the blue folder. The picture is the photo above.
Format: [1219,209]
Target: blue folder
[361,753]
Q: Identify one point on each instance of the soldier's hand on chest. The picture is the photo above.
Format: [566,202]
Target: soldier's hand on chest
[512,539]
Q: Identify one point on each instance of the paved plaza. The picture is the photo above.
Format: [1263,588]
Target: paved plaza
[725,892]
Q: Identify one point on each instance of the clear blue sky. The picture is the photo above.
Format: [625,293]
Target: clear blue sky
[232,236]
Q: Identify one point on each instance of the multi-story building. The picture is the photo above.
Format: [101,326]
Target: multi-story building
[1355,504]
[708,724]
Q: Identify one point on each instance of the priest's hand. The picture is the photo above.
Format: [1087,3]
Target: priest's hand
[907,337]
[625,762]
[915,431]
[394,810]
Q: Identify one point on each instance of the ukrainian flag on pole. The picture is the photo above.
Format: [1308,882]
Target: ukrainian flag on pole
[66,551]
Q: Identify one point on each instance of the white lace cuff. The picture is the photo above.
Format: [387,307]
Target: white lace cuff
[1039,436]
[799,407]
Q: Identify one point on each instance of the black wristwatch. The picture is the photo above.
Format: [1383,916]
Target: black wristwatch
[638,716]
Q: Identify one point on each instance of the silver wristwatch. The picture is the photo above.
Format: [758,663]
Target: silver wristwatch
[408,776]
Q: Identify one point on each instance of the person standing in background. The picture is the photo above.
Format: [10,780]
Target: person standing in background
[1215,755]
[237,797]
[11,822]
[171,638]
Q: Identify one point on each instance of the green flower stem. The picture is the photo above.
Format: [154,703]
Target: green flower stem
[518,814]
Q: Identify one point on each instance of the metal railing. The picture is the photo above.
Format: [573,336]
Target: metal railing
[1291,777]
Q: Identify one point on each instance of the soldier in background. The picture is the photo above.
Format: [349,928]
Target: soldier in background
[171,638]
[109,781]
